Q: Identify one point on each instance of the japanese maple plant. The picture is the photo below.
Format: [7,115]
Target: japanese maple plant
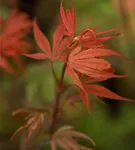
[81,55]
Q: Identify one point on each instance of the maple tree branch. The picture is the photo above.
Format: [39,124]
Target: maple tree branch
[58,94]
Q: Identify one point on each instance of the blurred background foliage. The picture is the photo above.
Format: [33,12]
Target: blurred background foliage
[111,124]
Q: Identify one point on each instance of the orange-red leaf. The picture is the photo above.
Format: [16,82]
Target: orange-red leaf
[63,17]
[63,45]
[85,99]
[73,75]
[12,44]
[41,40]
[98,53]
[39,56]
[68,19]
[90,79]
[17,23]
[93,71]
[73,16]
[92,63]
[59,42]
[108,37]
[57,38]
[107,31]
[75,51]
[103,92]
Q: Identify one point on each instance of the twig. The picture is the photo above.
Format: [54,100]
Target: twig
[58,94]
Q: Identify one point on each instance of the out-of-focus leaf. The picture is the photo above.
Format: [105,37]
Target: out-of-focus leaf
[66,137]
[34,120]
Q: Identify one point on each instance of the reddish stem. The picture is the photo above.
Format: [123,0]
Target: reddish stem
[53,71]
[58,94]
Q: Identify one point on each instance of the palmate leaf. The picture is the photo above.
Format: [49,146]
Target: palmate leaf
[57,38]
[85,52]
[103,92]
[41,40]
[38,56]
[12,39]
[66,137]
[34,120]
[59,43]
[74,76]
[69,19]
[17,23]
[90,53]
[87,62]
[85,99]
[91,37]
[99,91]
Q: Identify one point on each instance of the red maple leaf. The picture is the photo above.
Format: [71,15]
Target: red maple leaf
[68,19]
[14,28]
[89,36]
[84,57]
[97,90]
[93,39]
[59,43]
[16,23]
[89,63]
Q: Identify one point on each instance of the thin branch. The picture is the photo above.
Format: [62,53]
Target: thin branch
[52,67]
[58,94]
